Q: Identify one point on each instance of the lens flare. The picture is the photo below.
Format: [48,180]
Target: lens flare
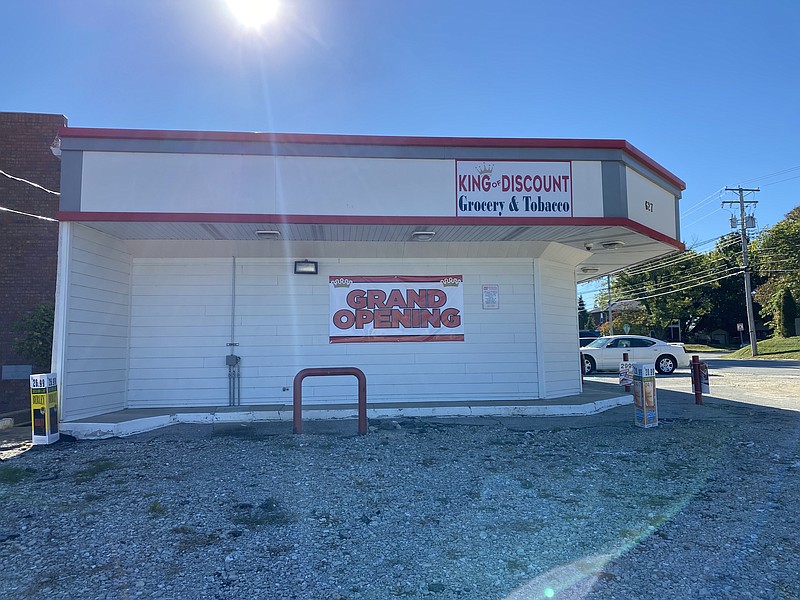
[254,13]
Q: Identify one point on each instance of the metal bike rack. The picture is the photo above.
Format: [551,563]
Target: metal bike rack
[297,418]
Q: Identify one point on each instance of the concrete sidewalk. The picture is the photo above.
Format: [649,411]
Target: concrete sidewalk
[601,404]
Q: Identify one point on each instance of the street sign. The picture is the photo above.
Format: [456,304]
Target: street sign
[740,327]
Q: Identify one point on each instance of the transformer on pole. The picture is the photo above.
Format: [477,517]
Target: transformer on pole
[744,220]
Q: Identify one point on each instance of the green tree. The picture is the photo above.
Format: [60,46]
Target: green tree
[583,314]
[727,306]
[776,260]
[669,289]
[35,341]
[788,314]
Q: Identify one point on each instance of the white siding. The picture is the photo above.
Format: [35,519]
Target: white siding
[559,309]
[94,374]
[181,322]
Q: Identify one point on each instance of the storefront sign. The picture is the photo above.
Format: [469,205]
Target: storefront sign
[513,189]
[396,308]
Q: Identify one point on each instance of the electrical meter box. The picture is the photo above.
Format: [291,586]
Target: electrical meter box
[44,408]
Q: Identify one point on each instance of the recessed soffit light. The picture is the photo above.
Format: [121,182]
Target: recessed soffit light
[612,244]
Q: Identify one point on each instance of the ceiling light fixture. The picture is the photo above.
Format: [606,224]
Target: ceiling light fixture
[590,270]
[268,234]
[613,244]
[423,236]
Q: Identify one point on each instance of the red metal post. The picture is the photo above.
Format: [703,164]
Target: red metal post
[698,390]
[297,413]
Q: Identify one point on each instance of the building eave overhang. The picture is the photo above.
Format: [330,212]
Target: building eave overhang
[260,138]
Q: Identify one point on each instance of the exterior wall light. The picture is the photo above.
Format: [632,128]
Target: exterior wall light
[268,234]
[590,270]
[423,236]
[613,245]
[306,267]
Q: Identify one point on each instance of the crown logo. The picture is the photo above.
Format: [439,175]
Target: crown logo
[450,282]
[484,169]
[341,282]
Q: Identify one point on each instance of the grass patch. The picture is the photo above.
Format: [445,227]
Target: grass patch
[182,529]
[279,549]
[516,565]
[656,501]
[13,474]
[94,469]
[532,525]
[269,512]
[707,348]
[156,508]
[190,539]
[777,347]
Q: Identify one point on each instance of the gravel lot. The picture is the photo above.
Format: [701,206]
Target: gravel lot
[705,505]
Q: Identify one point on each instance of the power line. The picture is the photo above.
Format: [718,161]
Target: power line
[36,185]
[789,170]
[679,285]
[19,212]
[708,265]
[683,288]
[673,259]
[781,181]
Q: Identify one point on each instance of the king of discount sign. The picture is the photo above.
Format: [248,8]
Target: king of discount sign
[513,189]
[396,308]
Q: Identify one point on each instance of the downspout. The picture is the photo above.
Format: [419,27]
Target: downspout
[232,360]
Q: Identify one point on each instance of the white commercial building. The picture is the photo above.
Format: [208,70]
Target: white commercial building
[446,268]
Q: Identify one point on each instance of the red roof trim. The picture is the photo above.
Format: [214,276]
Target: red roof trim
[128,217]
[370,140]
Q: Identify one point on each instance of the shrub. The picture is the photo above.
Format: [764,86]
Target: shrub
[36,340]
[788,313]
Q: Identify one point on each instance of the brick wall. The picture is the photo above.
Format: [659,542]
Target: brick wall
[28,246]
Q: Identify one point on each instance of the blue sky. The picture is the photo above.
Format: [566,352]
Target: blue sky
[708,89]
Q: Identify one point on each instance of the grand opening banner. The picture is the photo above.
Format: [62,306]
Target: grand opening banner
[396,308]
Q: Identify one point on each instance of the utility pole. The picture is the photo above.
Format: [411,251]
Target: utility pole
[751,322]
[610,316]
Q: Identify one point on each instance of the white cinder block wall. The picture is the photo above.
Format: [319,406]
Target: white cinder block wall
[181,322]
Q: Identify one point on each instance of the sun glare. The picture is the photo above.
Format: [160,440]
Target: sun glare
[254,13]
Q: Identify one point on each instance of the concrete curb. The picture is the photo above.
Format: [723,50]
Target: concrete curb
[96,431]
